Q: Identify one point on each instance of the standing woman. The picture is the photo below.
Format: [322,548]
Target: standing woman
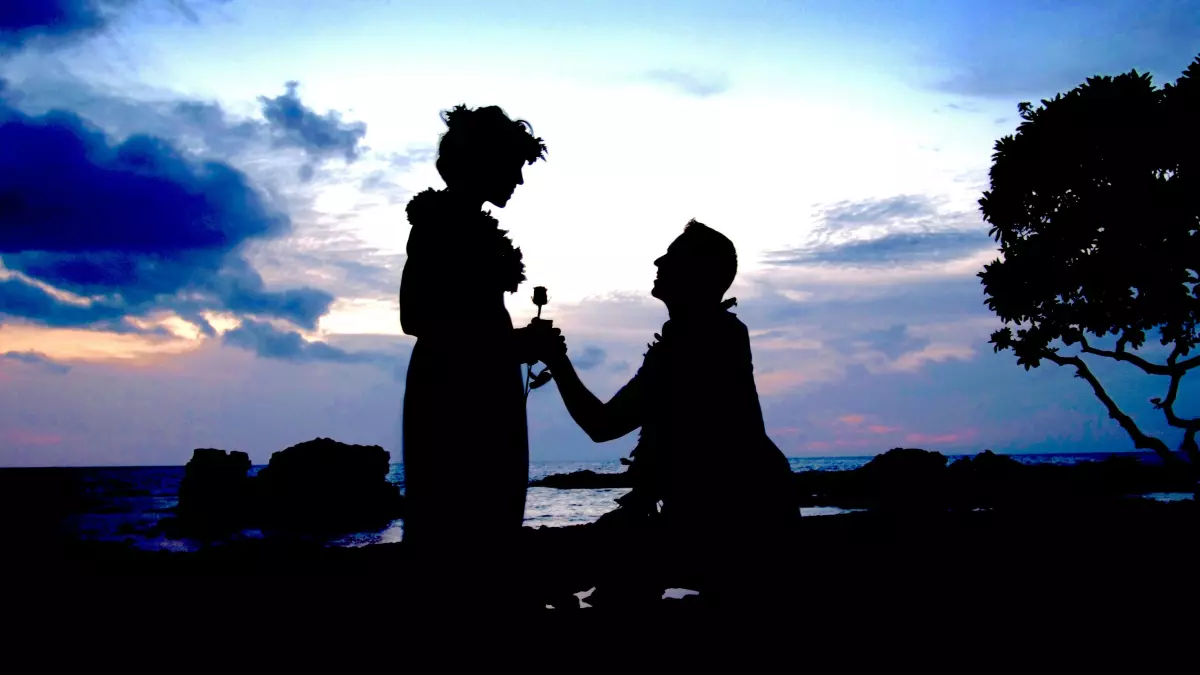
[465,440]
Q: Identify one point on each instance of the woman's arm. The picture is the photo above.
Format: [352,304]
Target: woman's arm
[414,306]
[600,421]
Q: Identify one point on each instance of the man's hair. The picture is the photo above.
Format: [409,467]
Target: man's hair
[715,252]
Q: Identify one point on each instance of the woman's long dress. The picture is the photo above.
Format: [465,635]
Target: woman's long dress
[465,440]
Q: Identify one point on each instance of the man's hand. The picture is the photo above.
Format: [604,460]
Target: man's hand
[540,341]
[552,346]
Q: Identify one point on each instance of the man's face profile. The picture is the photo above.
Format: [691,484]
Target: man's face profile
[675,270]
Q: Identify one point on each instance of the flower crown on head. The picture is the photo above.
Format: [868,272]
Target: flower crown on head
[491,120]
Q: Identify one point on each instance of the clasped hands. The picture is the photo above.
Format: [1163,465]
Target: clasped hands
[541,341]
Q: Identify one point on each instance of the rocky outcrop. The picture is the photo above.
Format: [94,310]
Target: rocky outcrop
[584,480]
[215,492]
[316,486]
[905,479]
[323,484]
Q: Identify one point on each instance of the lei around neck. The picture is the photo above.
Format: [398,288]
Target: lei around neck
[435,210]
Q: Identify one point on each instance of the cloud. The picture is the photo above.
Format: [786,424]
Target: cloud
[589,358]
[66,189]
[893,342]
[270,342]
[221,133]
[25,437]
[286,122]
[280,161]
[701,85]
[37,359]
[891,248]
[942,439]
[901,229]
[888,211]
[852,419]
[55,21]
[19,298]
[129,227]
[299,126]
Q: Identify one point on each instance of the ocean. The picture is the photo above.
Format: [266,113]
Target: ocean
[129,504]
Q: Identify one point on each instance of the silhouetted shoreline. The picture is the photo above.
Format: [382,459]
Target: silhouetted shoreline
[911,477]
[1040,532]
[978,559]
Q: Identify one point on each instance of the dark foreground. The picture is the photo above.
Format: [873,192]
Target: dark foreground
[1130,555]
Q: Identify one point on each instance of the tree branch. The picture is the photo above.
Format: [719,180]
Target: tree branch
[1140,440]
[1190,449]
[1150,368]
[1168,404]
[1121,355]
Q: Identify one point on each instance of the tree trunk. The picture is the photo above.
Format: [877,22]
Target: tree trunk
[1140,440]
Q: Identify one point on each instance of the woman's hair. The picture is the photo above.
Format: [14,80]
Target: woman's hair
[474,133]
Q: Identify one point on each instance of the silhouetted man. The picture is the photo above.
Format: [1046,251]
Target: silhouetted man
[703,451]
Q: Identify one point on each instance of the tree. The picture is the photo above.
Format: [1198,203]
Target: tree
[1095,202]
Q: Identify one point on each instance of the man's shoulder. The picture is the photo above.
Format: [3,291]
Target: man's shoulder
[730,327]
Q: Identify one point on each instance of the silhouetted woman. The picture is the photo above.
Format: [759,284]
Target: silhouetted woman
[465,440]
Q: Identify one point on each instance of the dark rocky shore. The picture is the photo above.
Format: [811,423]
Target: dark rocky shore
[911,478]
[978,532]
[1131,554]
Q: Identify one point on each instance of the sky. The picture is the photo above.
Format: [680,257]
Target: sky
[202,221]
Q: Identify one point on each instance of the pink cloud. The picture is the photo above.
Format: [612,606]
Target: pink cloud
[778,382]
[27,438]
[819,445]
[852,419]
[784,431]
[954,437]
[881,429]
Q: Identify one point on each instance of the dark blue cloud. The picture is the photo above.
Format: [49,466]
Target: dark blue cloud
[701,85]
[302,306]
[319,135]
[54,20]
[267,341]
[886,211]
[915,231]
[901,247]
[57,22]
[26,301]
[893,342]
[37,359]
[65,189]
[135,223]
[589,358]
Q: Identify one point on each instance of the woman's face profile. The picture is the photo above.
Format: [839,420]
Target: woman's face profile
[500,180]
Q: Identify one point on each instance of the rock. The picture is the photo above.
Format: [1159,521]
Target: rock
[905,463]
[988,480]
[324,485]
[584,480]
[215,492]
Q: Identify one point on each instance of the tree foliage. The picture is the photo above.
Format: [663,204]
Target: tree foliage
[1095,202]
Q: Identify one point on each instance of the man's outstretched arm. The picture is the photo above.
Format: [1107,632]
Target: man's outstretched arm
[600,421]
